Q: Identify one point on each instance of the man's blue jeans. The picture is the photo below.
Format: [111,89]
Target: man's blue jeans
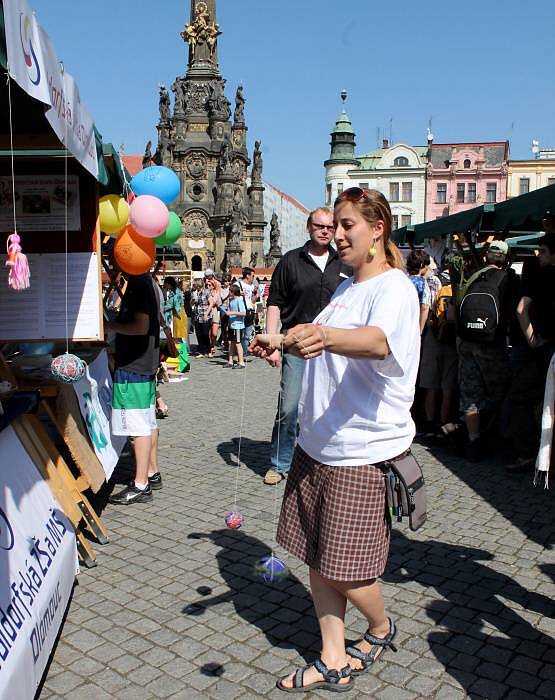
[246,337]
[286,416]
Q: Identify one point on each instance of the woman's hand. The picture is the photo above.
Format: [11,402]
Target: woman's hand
[306,340]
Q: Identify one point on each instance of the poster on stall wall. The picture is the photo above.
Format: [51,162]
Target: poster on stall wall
[40,203]
[38,564]
[34,66]
[94,393]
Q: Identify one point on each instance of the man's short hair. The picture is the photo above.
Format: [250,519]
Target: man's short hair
[324,210]
[247,271]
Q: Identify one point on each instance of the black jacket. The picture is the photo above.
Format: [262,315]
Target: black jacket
[300,289]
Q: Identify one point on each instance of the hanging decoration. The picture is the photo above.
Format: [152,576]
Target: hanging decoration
[234,520]
[133,253]
[158,181]
[68,368]
[172,232]
[149,216]
[19,276]
[113,214]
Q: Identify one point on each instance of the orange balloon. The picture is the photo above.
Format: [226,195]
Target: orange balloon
[134,254]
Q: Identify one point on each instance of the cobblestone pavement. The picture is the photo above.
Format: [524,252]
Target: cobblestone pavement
[173,609]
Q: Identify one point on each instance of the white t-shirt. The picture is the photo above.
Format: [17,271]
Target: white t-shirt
[248,291]
[320,260]
[357,411]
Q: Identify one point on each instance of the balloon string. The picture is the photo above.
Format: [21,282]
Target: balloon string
[66,205]
[280,399]
[9,81]
[241,423]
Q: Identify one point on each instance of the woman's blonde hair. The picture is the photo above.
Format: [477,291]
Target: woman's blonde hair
[374,207]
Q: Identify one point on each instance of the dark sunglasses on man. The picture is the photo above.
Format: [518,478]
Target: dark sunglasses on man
[323,227]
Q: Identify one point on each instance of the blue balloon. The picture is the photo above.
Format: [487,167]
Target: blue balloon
[158,181]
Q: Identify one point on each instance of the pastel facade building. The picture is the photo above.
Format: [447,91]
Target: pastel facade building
[398,171]
[528,175]
[464,175]
[291,214]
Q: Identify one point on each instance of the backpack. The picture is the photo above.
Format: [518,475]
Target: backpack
[442,315]
[480,312]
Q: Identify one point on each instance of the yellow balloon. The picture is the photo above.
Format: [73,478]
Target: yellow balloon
[113,212]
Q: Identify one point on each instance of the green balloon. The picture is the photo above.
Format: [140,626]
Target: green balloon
[172,232]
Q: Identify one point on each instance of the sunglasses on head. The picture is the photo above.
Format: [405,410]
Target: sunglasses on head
[352,194]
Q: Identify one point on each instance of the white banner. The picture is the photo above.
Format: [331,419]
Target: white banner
[34,66]
[94,393]
[38,563]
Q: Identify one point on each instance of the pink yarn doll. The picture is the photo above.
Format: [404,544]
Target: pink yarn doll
[18,278]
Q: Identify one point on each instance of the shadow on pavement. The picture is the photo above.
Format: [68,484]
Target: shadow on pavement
[282,611]
[513,496]
[255,454]
[475,624]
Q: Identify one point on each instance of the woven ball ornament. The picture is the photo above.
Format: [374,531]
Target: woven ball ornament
[68,368]
[234,520]
[271,569]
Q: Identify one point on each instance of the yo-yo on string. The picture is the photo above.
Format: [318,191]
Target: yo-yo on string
[19,275]
[234,519]
[271,568]
[67,367]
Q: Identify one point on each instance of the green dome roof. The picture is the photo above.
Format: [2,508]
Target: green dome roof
[343,124]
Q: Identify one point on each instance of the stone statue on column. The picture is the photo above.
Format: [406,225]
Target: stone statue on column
[164,104]
[239,114]
[256,175]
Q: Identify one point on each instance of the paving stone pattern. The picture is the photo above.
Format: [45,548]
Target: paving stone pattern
[173,609]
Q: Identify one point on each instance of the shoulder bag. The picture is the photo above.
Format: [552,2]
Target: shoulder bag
[405,489]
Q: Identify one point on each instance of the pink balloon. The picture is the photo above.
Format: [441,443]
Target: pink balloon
[149,216]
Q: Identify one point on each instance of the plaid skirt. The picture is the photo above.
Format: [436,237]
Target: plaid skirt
[334,519]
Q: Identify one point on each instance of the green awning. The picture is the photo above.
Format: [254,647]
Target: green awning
[523,212]
[456,223]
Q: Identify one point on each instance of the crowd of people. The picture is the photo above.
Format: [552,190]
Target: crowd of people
[359,333]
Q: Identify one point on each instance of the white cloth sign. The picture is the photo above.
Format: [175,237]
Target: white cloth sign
[38,563]
[39,312]
[34,66]
[94,393]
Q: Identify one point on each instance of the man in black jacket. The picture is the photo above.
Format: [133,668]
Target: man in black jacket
[302,285]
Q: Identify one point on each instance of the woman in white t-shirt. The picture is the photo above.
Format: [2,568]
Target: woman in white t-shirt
[362,351]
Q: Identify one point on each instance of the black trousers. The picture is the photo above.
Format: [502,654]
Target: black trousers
[202,331]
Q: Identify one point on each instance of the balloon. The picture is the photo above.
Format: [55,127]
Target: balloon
[157,181]
[134,254]
[113,213]
[172,233]
[149,216]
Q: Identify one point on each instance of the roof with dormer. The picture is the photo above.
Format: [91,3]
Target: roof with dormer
[373,159]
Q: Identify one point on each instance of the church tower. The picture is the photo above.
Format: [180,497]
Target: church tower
[222,223]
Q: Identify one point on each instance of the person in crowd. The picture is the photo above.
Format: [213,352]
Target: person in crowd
[302,285]
[439,362]
[180,320]
[162,410]
[418,262]
[137,357]
[248,290]
[202,315]
[214,303]
[483,365]
[173,305]
[235,311]
[536,317]
[361,355]
[224,318]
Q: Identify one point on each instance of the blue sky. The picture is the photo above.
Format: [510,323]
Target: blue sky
[483,70]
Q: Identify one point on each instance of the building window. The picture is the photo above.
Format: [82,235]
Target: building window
[393,191]
[471,192]
[328,194]
[441,193]
[467,163]
[364,185]
[551,180]
[405,220]
[339,187]
[394,222]
[407,192]
[524,185]
[460,192]
[400,162]
[491,192]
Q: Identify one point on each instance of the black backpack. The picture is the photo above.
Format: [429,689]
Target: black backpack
[480,313]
